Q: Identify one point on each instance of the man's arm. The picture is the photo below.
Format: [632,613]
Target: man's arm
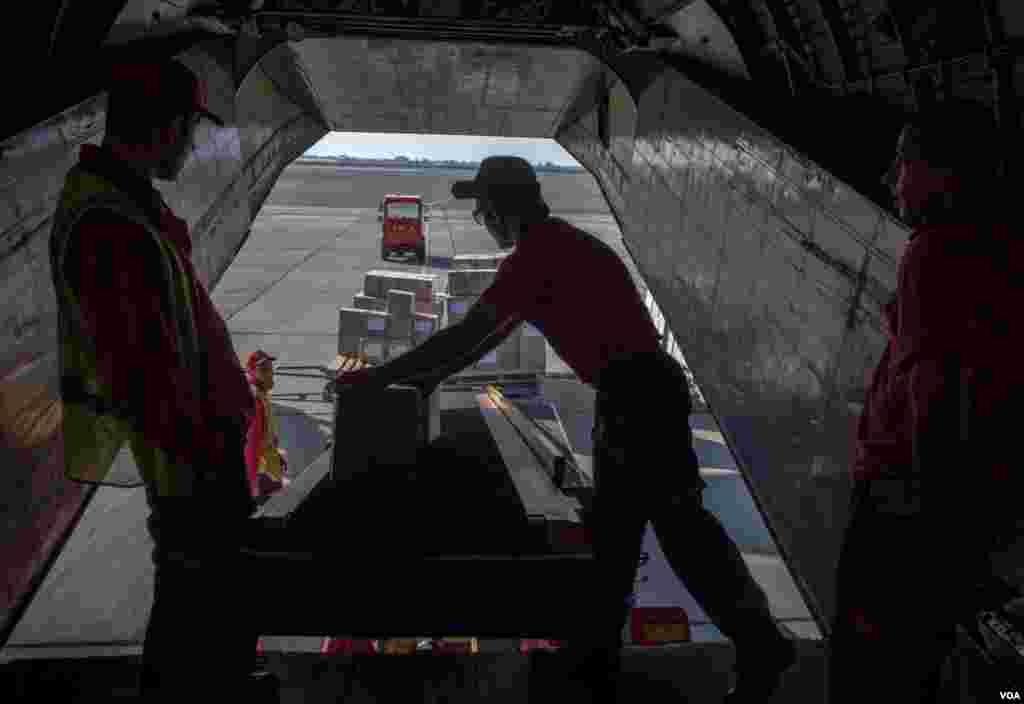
[447,352]
[472,356]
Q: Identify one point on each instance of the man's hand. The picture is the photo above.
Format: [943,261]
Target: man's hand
[362,379]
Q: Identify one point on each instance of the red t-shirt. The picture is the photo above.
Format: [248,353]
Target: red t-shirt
[959,292]
[110,265]
[578,293]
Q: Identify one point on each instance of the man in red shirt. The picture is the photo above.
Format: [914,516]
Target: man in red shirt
[579,294]
[931,470]
[164,361]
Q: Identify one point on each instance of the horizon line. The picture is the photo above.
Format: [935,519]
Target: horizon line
[425,159]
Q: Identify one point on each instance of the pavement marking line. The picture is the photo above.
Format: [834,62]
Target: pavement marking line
[710,436]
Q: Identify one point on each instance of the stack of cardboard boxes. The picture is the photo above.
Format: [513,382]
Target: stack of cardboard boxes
[383,334]
[378,282]
[523,350]
[390,428]
[397,311]
[478,261]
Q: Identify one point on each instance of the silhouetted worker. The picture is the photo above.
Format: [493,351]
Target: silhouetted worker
[933,470]
[147,361]
[579,294]
[265,461]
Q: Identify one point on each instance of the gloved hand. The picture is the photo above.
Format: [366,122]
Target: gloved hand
[346,381]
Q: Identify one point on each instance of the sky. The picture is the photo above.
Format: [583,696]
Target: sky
[366,145]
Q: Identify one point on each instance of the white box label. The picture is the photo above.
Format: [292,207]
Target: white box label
[490,358]
[376,324]
[458,307]
[423,326]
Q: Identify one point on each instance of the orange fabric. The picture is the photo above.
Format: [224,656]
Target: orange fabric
[254,445]
[271,478]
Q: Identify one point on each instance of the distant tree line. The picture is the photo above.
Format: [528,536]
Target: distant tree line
[545,167]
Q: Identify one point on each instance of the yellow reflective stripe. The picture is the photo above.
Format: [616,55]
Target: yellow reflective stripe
[710,436]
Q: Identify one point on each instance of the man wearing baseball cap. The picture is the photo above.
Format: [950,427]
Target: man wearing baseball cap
[935,497]
[578,293]
[147,361]
[265,461]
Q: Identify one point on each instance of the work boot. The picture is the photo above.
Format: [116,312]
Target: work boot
[758,680]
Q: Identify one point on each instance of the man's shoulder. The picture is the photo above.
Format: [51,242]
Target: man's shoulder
[107,216]
[105,231]
[960,252]
[561,233]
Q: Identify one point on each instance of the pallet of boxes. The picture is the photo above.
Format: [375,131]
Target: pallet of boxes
[395,312]
[523,350]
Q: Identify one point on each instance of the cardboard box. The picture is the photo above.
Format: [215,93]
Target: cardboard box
[478,261]
[533,352]
[377,283]
[355,325]
[424,326]
[470,282]
[388,428]
[509,351]
[401,311]
[456,308]
[364,302]
[358,328]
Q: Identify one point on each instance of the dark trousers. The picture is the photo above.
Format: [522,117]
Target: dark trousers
[197,643]
[646,470]
[904,581]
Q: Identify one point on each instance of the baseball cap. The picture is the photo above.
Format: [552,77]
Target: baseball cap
[165,85]
[505,174]
[257,358]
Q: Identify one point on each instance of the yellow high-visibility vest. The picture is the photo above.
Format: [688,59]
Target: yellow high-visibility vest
[96,426]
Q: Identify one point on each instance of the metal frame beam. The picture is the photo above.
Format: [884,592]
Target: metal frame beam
[838,30]
[329,24]
[741,21]
[786,29]
[1004,53]
[1007,103]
